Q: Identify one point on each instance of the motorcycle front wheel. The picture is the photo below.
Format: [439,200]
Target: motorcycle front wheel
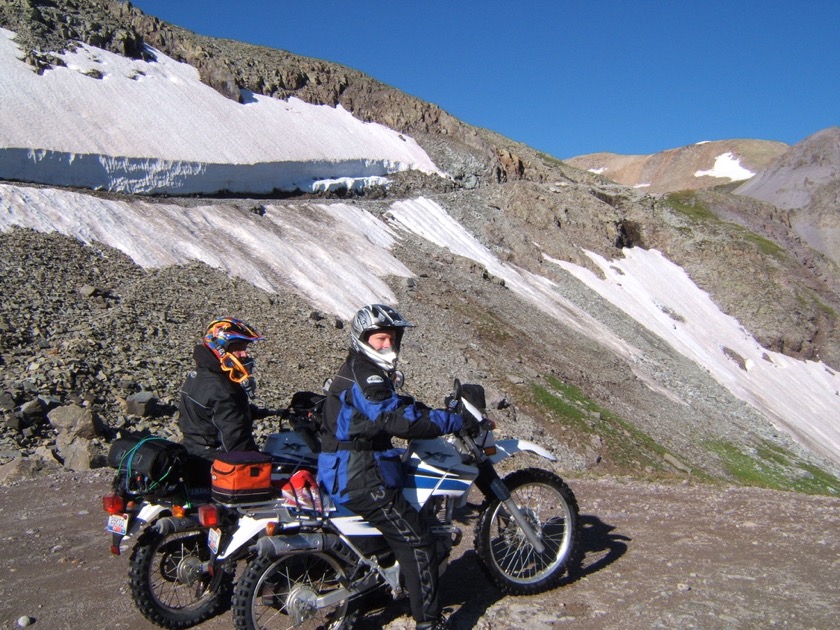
[509,559]
[281,593]
[167,583]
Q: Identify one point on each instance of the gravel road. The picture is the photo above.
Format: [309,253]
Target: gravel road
[657,556]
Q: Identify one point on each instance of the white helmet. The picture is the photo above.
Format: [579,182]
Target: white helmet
[370,319]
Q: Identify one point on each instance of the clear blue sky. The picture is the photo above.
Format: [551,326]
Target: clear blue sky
[570,77]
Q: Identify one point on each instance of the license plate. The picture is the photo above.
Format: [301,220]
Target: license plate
[117,524]
[214,537]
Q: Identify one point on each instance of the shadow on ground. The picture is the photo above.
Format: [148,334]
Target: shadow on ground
[467,590]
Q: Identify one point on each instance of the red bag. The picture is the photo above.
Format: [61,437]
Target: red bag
[241,477]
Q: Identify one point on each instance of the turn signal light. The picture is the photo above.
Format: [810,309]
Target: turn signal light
[270,528]
[489,450]
[113,504]
[178,511]
[208,515]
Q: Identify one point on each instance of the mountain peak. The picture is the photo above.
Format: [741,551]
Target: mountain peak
[695,166]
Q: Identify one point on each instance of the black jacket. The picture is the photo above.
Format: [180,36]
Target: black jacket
[216,414]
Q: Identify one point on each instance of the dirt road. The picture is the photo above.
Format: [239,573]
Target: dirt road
[657,556]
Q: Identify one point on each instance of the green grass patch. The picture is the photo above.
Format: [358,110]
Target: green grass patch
[686,203]
[624,444]
[550,160]
[765,245]
[770,466]
[813,300]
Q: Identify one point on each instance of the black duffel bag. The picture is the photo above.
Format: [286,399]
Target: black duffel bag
[154,458]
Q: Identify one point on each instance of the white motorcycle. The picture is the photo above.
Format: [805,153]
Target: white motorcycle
[314,561]
[157,495]
[162,502]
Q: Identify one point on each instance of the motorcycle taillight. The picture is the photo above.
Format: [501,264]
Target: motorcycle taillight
[113,504]
[208,515]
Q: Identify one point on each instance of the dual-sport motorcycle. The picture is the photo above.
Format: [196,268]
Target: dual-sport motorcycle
[315,561]
[157,493]
[161,500]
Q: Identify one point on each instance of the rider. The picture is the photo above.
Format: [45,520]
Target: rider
[215,411]
[359,466]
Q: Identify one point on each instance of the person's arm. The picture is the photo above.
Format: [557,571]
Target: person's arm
[402,416]
[233,426]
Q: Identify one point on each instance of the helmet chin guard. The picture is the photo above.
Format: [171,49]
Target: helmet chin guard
[386,359]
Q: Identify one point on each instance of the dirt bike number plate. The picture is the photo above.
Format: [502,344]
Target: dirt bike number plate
[117,524]
[214,537]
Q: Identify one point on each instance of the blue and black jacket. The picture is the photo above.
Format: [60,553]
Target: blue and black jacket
[361,415]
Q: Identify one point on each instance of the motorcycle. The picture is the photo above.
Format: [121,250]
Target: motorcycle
[157,494]
[315,561]
[162,498]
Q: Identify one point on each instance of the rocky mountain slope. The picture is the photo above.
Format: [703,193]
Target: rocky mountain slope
[804,180]
[84,326]
[799,182]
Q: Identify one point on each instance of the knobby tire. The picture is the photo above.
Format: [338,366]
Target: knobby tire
[264,595]
[506,556]
[157,588]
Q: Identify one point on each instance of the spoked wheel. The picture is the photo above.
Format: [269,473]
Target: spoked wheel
[168,584]
[292,592]
[510,560]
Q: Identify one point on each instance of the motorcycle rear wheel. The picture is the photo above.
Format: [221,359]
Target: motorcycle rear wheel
[167,585]
[277,594]
[509,560]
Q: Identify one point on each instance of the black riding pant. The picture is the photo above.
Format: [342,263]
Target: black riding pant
[411,541]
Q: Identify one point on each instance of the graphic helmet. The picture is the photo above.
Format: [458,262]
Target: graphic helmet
[218,337]
[372,318]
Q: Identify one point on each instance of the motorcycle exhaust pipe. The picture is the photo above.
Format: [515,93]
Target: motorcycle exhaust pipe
[276,546]
[172,524]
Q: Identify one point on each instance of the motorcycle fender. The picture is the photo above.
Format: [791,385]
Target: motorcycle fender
[148,514]
[247,530]
[506,448]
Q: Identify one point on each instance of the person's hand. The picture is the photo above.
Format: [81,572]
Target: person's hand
[470,427]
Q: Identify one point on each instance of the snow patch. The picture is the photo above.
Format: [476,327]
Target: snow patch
[797,396]
[727,166]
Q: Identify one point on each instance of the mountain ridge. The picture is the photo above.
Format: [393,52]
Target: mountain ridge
[699,165]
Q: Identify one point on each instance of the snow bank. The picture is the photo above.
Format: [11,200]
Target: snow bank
[106,121]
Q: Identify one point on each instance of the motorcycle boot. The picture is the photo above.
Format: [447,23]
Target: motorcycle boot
[442,623]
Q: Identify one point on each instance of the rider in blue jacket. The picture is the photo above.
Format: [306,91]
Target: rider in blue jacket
[358,464]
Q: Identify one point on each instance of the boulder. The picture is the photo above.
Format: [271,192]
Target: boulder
[74,421]
[27,468]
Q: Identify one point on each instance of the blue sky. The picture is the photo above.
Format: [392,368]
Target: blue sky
[570,77]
